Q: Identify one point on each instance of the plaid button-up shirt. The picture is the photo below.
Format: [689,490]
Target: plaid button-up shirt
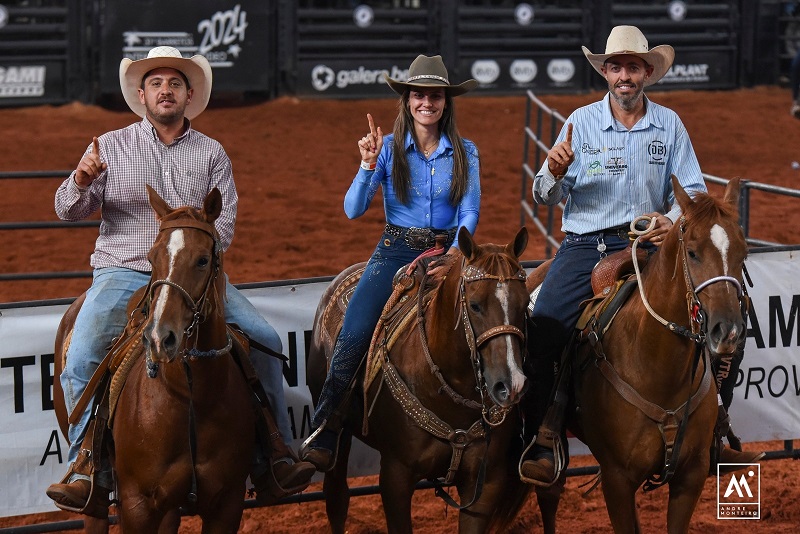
[182,173]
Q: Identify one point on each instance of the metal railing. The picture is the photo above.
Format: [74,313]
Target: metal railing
[42,225]
[541,136]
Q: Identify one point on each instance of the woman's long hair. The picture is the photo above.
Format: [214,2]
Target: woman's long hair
[401,176]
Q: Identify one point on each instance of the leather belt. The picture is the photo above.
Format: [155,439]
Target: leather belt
[419,238]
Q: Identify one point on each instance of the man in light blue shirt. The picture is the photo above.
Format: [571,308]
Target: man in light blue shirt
[611,163]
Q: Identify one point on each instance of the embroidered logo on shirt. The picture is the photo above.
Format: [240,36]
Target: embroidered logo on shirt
[595,168]
[616,165]
[586,149]
[657,151]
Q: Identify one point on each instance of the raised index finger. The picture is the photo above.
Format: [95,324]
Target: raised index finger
[95,146]
[569,134]
[371,124]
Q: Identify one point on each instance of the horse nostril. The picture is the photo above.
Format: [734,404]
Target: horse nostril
[170,341]
[500,392]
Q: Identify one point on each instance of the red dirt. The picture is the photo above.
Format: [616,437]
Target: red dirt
[294,159]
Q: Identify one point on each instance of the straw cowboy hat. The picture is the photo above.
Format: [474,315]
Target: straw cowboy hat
[429,72]
[630,40]
[196,69]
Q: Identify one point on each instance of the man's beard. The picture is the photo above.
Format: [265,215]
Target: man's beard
[629,101]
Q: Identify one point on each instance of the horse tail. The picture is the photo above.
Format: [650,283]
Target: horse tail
[515,492]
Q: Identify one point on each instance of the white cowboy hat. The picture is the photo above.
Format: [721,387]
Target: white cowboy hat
[630,40]
[196,69]
[429,72]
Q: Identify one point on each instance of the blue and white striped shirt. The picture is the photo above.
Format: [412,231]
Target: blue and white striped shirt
[429,200]
[620,174]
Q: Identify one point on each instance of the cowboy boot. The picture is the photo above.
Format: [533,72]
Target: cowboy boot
[85,489]
[322,447]
[282,474]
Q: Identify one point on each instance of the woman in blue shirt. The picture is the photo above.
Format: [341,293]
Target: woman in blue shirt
[430,177]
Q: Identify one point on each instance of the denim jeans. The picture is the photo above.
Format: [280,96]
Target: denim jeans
[363,311]
[103,316]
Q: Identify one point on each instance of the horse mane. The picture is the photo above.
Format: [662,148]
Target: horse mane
[705,209]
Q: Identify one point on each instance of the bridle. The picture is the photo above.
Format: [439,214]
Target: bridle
[495,415]
[199,307]
[696,331]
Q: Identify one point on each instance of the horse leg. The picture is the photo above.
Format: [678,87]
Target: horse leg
[335,488]
[397,487]
[95,525]
[620,495]
[683,497]
[548,499]
[170,523]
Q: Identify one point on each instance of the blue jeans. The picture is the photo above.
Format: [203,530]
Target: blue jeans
[567,284]
[363,311]
[103,316]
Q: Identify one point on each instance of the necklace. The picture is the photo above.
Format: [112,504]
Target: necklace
[428,150]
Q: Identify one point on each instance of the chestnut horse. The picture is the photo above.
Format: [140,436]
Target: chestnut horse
[441,403]
[645,400]
[184,422]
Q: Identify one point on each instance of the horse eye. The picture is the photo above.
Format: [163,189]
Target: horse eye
[474,306]
[202,262]
[692,254]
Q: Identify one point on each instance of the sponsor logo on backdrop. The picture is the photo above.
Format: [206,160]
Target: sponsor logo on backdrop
[363,16]
[218,38]
[561,70]
[739,493]
[22,81]
[485,71]
[523,70]
[523,14]
[697,73]
[323,77]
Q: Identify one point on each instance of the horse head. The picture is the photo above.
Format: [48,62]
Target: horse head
[185,289]
[713,252]
[493,306]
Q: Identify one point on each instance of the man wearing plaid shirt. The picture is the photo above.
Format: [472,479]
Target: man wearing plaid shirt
[183,166]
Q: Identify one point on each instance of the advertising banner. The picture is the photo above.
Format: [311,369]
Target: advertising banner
[766,403]
[235,37]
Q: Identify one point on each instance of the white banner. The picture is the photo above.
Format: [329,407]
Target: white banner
[33,452]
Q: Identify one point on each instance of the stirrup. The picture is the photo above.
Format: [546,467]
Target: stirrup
[306,447]
[96,504]
[558,459]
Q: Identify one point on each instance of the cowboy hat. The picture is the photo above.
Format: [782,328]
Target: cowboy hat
[196,69]
[629,40]
[429,72]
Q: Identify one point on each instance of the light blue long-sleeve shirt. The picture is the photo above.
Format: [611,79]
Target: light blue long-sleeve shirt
[620,174]
[429,199]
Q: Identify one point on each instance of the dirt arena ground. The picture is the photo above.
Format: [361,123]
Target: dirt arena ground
[294,159]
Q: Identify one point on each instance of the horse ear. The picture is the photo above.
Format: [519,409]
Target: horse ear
[732,193]
[159,205]
[213,205]
[519,244]
[683,198]
[465,243]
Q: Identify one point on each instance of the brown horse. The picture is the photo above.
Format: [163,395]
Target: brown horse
[184,422]
[446,374]
[645,400]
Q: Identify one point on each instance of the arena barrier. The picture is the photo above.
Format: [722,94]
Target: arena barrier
[33,452]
